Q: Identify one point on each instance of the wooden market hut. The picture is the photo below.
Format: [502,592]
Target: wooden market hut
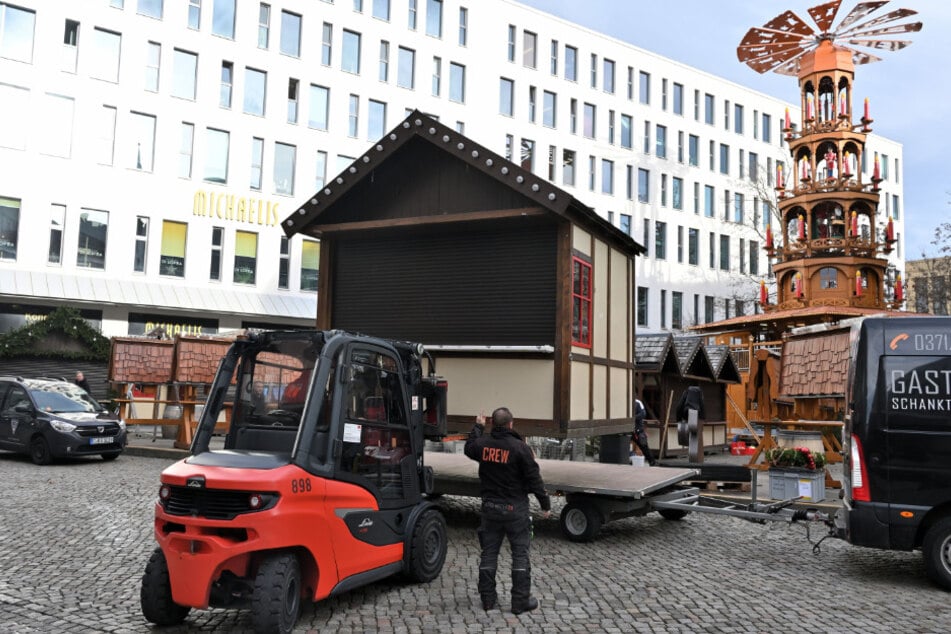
[523,294]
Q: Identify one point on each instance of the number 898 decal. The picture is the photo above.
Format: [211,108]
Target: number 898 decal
[301,485]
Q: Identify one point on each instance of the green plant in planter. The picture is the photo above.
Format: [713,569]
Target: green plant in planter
[796,458]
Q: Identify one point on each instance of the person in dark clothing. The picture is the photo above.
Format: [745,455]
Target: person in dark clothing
[640,433]
[81,381]
[692,398]
[507,474]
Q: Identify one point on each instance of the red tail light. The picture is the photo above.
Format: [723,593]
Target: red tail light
[860,488]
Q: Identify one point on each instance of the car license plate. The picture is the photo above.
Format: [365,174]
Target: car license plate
[101,440]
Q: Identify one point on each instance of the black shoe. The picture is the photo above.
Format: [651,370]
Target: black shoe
[528,606]
[489,604]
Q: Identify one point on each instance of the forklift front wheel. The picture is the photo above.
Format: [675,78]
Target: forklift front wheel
[580,522]
[672,514]
[156,594]
[428,547]
[275,602]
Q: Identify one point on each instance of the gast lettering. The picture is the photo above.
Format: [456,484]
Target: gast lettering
[235,208]
[920,390]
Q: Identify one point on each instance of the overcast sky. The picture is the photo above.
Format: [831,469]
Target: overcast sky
[909,91]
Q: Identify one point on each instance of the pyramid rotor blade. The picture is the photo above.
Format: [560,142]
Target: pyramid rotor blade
[824,14]
[860,11]
[888,30]
[859,57]
[761,36]
[771,62]
[789,22]
[882,45]
[789,68]
[897,14]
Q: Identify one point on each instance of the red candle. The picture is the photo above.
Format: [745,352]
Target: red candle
[899,291]
[763,294]
[802,227]
[845,164]
[858,284]
[890,230]
[855,224]
[788,123]
[867,118]
[779,175]
[769,237]
[877,174]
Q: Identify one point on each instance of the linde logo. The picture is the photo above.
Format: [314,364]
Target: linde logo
[920,390]
[366,523]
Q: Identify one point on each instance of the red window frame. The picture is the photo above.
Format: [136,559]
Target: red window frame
[581,294]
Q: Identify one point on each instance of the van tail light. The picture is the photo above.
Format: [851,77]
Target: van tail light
[860,490]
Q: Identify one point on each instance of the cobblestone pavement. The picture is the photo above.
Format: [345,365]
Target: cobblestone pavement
[75,537]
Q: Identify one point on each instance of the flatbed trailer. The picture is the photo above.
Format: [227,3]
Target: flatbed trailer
[597,493]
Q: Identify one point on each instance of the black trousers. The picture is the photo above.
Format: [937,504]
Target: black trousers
[502,520]
[640,439]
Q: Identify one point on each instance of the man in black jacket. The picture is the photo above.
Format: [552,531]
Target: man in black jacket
[507,474]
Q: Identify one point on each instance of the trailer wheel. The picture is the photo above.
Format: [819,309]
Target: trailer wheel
[155,596]
[672,514]
[428,547]
[580,522]
[937,553]
[275,601]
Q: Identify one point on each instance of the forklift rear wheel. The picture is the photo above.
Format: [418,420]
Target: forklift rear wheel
[275,602]
[156,594]
[428,547]
[672,514]
[937,553]
[580,522]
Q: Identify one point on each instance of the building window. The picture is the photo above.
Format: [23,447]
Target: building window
[216,155]
[549,111]
[529,49]
[629,182]
[105,53]
[663,190]
[255,90]
[676,310]
[708,309]
[437,76]
[463,26]
[738,203]
[767,129]
[376,124]
[552,157]
[350,60]
[573,116]
[57,223]
[93,231]
[185,75]
[738,118]
[724,252]
[568,167]
[381,9]
[309,263]
[141,148]
[709,109]
[553,59]
[661,141]
[153,58]
[293,98]
[726,114]
[227,82]
[353,118]
[643,185]
[217,238]
[257,163]
[245,257]
[406,71]
[16,33]
[693,150]
[457,82]
[660,240]
[290,33]
[647,137]
[320,171]
[571,63]
[384,75]
[828,278]
[592,171]
[9,227]
[141,244]
[642,296]
[627,132]
[581,295]
[319,106]
[742,254]
[645,88]
[754,167]
[678,99]
[509,144]
[527,161]
[56,134]
[626,223]
[678,193]
[680,146]
[510,48]
[264,25]
[607,177]
[709,201]
[608,79]
[594,70]
[284,264]
[106,126]
[663,94]
[434,18]
[693,246]
[186,150]
[506,96]
[222,21]
[754,257]
[532,99]
[172,260]
[326,45]
[590,113]
[411,15]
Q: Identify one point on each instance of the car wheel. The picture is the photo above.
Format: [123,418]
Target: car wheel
[275,602]
[40,451]
[580,522]
[936,549]
[156,594]
[428,547]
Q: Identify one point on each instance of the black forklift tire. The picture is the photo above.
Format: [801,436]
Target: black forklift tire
[428,547]
[276,598]
[40,451]
[156,594]
[936,550]
[672,514]
[580,522]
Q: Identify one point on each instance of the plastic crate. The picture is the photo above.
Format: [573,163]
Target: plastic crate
[790,483]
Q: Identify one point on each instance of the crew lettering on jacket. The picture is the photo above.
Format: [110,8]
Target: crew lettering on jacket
[494,454]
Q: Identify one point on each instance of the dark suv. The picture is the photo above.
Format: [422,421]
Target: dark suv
[49,419]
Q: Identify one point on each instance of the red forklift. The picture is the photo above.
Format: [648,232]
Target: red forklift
[320,486]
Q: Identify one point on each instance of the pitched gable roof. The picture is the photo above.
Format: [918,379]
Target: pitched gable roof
[380,175]
[652,353]
[692,358]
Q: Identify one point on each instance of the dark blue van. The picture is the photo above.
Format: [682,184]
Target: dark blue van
[897,441]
